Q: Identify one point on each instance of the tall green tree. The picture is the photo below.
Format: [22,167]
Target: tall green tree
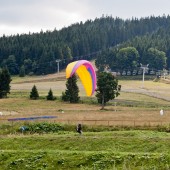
[22,71]
[5,79]
[34,93]
[12,65]
[72,91]
[27,65]
[107,88]
[156,59]
[102,62]
[128,58]
[67,52]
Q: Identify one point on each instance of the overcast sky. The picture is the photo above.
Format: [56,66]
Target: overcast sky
[22,16]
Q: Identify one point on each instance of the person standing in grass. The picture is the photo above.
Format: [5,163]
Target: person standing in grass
[79,129]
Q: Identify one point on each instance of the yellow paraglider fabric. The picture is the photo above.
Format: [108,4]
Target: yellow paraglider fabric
[85,78]
[86,73]
[70,68]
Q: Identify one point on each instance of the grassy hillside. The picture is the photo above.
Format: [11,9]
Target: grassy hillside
[135,105]
[129,134]
[93,150]
[57,83]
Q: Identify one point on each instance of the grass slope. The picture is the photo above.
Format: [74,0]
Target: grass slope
[93,150]
[100,149]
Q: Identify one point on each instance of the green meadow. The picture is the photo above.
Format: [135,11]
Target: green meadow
[55,145]
[116,149]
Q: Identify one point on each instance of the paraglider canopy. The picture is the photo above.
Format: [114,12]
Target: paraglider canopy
[86,73]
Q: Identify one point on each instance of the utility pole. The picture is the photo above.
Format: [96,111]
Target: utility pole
[165,73]
[58,64]
[144,68]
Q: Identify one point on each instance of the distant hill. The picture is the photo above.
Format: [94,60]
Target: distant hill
[159,40]
[37,53]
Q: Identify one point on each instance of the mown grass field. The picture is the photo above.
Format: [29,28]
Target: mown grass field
[135,105]
[132,149]
[119,137]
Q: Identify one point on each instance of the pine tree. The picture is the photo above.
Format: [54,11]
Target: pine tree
[5,79]
[22,71]
[71,93]
[50,95]
[34,93]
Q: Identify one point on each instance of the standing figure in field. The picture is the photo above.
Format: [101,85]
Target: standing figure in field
[79,129]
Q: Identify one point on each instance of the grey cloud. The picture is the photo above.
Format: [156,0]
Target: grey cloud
[39,11]
[48,14]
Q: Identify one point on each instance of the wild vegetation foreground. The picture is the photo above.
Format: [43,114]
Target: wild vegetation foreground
[118,149]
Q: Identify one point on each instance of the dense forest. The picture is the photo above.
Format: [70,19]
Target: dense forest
[115,43]
[151,49]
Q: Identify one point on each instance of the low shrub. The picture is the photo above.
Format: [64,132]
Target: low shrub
[41,128]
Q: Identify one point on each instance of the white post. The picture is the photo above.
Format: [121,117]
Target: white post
[58,65]
[144,67]
[143,77]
